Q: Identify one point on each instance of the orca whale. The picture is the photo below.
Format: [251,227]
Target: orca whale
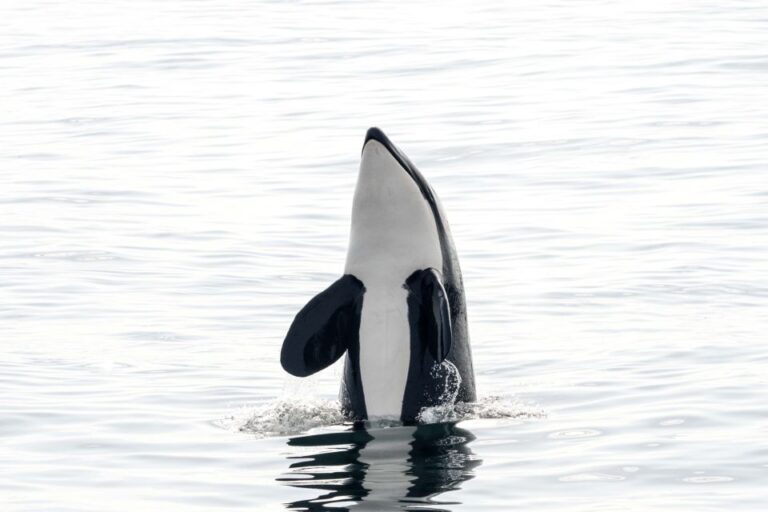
[398,312]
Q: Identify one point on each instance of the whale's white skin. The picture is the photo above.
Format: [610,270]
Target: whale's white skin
[393,234]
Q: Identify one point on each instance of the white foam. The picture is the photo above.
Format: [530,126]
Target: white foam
[488,407]
[285,416]
[291,416]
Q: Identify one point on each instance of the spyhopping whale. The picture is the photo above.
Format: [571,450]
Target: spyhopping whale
[398,313]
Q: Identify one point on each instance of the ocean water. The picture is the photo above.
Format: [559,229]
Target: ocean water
[175,183]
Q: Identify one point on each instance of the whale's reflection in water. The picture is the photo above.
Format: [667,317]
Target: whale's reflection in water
[399,468]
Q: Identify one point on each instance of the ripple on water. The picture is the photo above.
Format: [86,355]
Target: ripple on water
[592,477]
[707,479]
[576,434]
[671,422]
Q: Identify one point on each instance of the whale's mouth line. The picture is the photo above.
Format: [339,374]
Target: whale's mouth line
[376,134]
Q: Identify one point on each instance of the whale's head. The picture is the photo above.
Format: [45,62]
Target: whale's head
[394,225]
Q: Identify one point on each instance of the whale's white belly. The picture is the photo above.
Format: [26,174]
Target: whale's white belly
[385,348]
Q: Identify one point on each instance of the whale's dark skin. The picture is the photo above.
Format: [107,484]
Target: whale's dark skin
[328,326]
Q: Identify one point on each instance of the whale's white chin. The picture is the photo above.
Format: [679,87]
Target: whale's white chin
[393,227]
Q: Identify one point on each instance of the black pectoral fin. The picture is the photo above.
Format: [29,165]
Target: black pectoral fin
[432,317]
[322,330]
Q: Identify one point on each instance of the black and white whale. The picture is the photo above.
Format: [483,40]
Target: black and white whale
[398,311]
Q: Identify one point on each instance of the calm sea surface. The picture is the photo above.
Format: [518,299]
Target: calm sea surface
[176,180]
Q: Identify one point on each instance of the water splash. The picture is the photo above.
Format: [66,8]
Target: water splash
[447,373]
[488,407]
[285,416]
[290,416]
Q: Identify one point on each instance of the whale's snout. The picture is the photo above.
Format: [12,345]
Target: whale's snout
[377,134]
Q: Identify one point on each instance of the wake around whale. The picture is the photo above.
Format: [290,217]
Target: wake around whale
[398,312]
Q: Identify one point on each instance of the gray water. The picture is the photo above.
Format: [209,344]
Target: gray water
[176,180]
